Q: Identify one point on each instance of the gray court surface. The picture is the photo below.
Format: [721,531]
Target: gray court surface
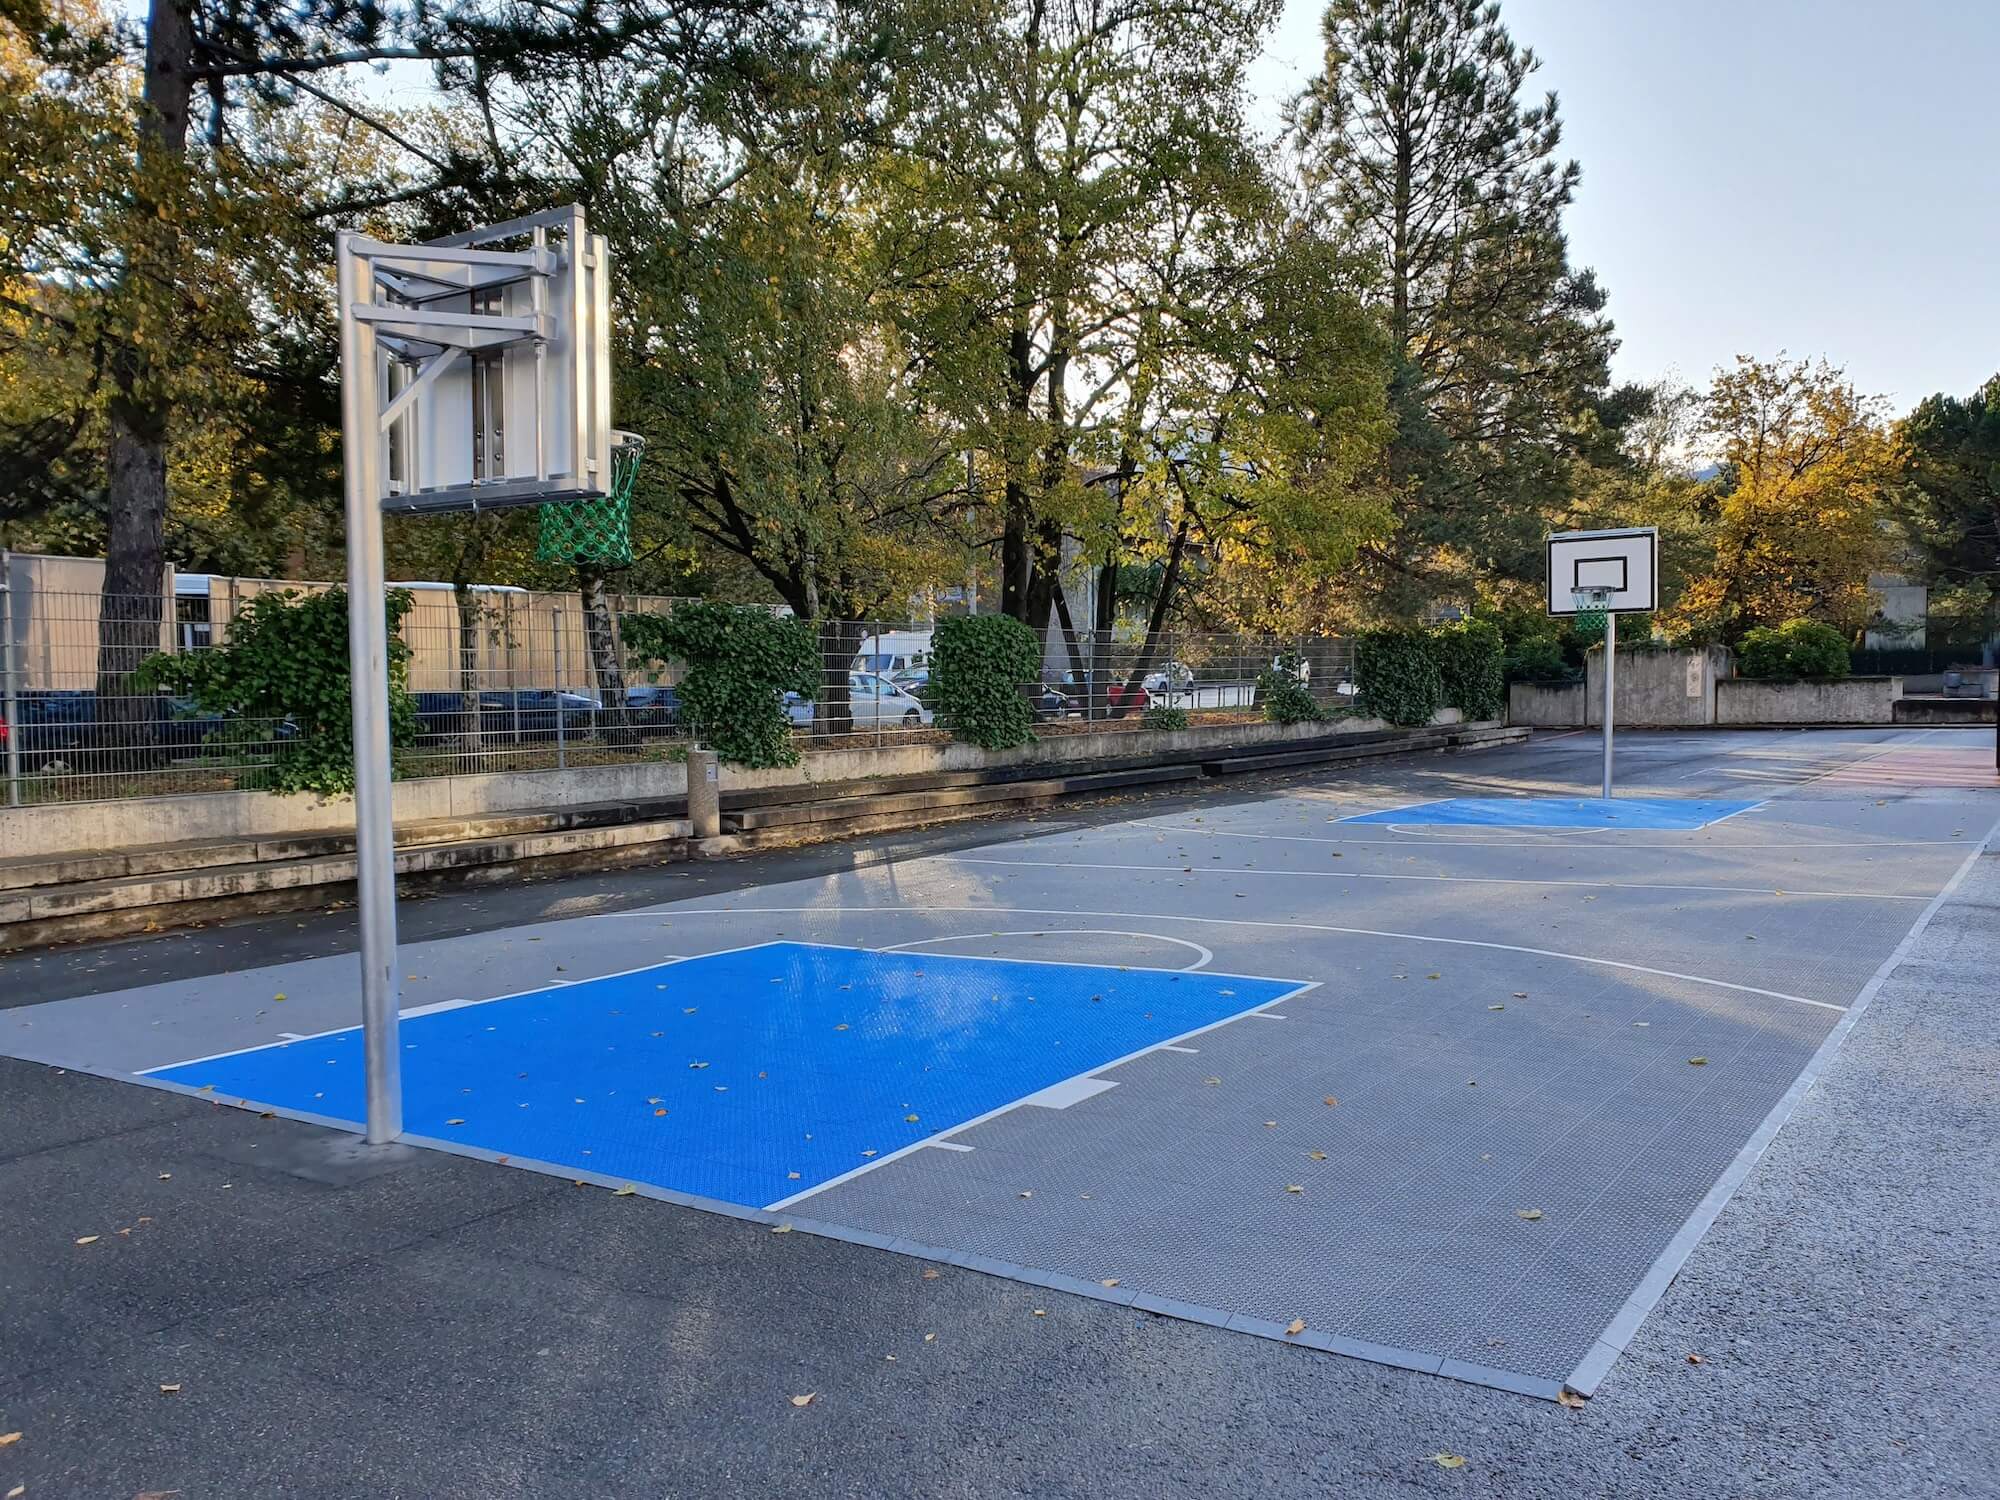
[1530,1070]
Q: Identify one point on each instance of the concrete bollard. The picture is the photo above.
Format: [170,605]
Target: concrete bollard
[704,794]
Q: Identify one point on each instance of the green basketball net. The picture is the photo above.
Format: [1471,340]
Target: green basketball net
[1588,621]
[596,531]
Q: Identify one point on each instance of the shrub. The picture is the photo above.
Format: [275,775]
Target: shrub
[1397,673]
[1795,649]
[740,661]
[286,660]
[1471,660]
[1165,718]
[1539,658]
[1284,699]
[978,664]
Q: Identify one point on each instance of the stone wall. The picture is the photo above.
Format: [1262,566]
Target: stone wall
[1852,700]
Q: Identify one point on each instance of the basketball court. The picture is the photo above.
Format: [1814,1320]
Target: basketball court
[1438,1065]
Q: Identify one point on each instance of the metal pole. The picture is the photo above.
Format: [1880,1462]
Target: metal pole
[368,665]
[10,717]
[562,743]
[1610,690]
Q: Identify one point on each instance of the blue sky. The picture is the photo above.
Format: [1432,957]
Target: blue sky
[1818,176]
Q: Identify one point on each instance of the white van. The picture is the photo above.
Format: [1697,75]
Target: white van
[894,652]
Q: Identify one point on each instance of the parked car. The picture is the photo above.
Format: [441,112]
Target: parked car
[1171,678]
[1113,692]
[52,724]
[894,652]
[508,716]
[916,681]
[652,705]
[873,701]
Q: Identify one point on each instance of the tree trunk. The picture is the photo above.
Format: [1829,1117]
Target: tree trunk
[471,726]
[607,673]
[833,709]
[133,608]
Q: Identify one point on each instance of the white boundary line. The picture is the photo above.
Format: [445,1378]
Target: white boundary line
[1150,916]
[1594,885]
[1207,955]
[1013,1104]
[1619,1331]
[1515,843]
[291,1039]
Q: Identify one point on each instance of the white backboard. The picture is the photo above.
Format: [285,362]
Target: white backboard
[1624,562]
[491,364]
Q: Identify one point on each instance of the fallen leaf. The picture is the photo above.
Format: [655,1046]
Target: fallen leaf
[697,1065]
[1695,1359]
[1270,1124]
[658,1112]
[8,1439]
[1109,1281]
[931,1273]
[1697,1062]
[1569,1398]
[806,1399]
[930,1338]
[1520,994]
[781,1229]
[910,1119]
[1041,1312]
[17,1492]
[166,1176]
[1434,976]
[789,1176]
[1447,1460]
[1496,1007]
[625,1192]
[279,996]
[454,1122]
[87,1239]
[1295,1327]
[1330,1102]
[1530,1214]
[868,1153]
[1029,1193]
[171,1390]
[1212,1082]
[1294,1188]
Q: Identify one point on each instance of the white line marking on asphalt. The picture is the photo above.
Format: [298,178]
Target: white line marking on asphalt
[1203,961]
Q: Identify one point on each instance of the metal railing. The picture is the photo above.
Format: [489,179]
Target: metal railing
[507,679]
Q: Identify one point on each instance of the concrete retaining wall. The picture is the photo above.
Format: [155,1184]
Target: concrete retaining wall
[1853,700]
[1659,689]
[72,828]
[1542,705]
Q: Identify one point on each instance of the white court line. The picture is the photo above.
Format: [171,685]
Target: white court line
[1013,1104]
[1156,916]
[425,1010]
[1207,955]
[1305,838]
[1593,885]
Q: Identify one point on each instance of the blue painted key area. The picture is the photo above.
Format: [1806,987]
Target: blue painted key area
[1670,813]
[746,1076]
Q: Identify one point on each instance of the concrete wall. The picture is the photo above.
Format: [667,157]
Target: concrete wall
[70,828]
[1853,700]
[1545,705]
[1659,689]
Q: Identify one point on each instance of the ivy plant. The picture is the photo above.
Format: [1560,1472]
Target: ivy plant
[1165,716]
[285,662]
[1397,673]
[978,666]
[740,662]
[1285,699]
[1471,658]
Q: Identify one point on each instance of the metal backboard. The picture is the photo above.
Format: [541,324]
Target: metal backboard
[489,377]
[1616,571]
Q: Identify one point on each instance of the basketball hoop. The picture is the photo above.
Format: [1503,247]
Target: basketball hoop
[1588,615]
[596,531]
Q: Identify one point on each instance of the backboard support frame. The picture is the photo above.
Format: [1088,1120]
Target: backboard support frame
[399,306]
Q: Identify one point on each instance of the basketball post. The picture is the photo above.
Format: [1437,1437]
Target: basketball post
[1601,573]
[1610,689]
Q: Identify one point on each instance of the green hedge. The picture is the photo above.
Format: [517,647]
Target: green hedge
[1398,676]
[1284,699]
[1795,649]
[1539,658]
[978,664]
[286,660]
[1165,717]
[1471,659]
[741,661]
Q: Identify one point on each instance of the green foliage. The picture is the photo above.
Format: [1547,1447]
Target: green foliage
[1165,717]
[1539,658]
[1472,660]
[1284,699]
[1948,507]
[1795,649]
[978,663]
[741,661]
[1397,673]
[286,659]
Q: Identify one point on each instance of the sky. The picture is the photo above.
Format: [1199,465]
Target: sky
[1820,177]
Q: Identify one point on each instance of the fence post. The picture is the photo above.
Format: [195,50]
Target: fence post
[8,711]
[562,744]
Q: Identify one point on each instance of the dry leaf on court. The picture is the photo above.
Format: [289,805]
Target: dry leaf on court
[1212,1082]
[1520,994]
[454,1122]
[806,1399]
[792,1176]
[166,1176]
[1041,1312]
[781,1229]
[1697,1062]
[1330,1102]
[1569,1398]
[17,1492]
[625,1192]
[697,1065]
[1294,1188]
[658,1112]
[1530,1214]
[1029,1193]
[1496,1007]
[1434,976]
[1295,1327]
[1317,1155]
[1695,1359]
[171,1389]
[1270,1124]
[931,1273]
[930,1338]
[86,1239]
[1109,1281]
[910,1119]
[1447,1460]
[841,1027]
[8,1439]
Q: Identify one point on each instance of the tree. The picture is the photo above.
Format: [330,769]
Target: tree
[1799,518]
[1417,138]
[1947,506]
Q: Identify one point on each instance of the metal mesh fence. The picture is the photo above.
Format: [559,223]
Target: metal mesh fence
[507,679]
